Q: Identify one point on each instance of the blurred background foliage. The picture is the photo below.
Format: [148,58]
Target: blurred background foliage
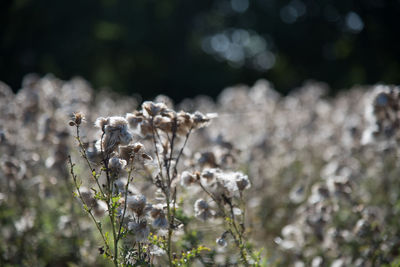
[184,48]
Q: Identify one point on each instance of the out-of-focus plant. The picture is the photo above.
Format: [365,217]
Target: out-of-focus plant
[40,225]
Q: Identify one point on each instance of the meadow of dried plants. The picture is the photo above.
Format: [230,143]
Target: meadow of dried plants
[252,179]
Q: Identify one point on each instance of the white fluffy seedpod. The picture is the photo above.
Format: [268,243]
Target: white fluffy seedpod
[200,120]
[187,178]
[129,151]
[202,210]
[228,183]
[116,164]
[137,205]
[146,128]
[158,215]
[152,109]
[242,181]
[140,230]
[101,122]
[120,187]
[126,152]
[134,119]
[115,133]
[185,122]
[163,123]
[93,154]
[119,127]
[210,174]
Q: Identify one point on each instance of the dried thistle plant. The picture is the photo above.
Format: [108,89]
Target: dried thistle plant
[140,230]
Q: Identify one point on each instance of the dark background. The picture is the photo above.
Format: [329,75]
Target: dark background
[183,48]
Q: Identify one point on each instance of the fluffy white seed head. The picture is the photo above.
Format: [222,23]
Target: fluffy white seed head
[140,230]
[101,122]
[152,109]
[116,164]
[242,181]
[202,210]
[137,205]
[158,215]
[115,133]
[188,179]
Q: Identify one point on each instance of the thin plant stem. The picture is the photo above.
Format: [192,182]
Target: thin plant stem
[74,177]
[126,198]
[110,206]
[174,127]
[155,145]
[84,155]
[181,151]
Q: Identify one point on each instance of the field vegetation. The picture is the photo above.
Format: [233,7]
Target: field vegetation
[252,178]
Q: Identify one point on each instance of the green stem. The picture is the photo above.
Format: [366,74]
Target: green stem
[115,240]
[169,249]
[83,152]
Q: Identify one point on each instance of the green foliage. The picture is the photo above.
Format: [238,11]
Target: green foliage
[186,257]
[157,241]
[395,263]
